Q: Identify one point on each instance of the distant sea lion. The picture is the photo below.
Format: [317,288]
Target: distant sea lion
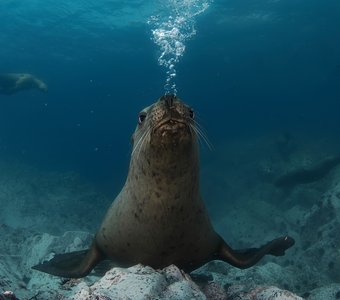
[11,83]
[159,218]
[304,176]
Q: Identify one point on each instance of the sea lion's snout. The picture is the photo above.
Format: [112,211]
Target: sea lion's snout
[171,115]
[169,100]
[171,121]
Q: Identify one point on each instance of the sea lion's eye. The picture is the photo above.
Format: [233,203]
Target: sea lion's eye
[141,117]
[191,113]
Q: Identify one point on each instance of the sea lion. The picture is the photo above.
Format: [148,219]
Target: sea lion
[11,83]
[159,218]
[304,176]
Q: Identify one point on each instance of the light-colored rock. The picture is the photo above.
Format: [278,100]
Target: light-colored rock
[139,283]
[269,273]
[260,293]
[21,249]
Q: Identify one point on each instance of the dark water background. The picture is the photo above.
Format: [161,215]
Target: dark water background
[254,67]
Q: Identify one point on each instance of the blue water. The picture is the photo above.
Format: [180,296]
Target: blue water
[253,67]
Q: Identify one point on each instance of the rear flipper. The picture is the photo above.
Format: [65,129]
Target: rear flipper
[72,265]
[246,258]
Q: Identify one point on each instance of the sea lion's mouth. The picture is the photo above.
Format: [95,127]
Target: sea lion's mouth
[171,126]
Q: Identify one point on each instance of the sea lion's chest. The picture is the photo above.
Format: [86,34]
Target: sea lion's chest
[158,222]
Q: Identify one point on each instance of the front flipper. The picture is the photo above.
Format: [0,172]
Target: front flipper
[246,258]
[72,265]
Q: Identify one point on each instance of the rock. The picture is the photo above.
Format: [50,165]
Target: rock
[270,274]
[260,293]
[139,282]
[257,283]
[320,236]
[331,291]
[8,295]
[214,291]
[21,249]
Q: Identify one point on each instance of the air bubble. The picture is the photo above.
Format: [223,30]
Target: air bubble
[171,29]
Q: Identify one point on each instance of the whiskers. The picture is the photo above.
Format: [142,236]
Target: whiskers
[141,142]
[197,130]
[144,138]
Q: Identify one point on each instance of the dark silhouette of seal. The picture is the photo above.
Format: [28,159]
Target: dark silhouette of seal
[304,176]
[159,218]
[11,83]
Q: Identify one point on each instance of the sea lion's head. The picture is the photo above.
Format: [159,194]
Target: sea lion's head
[28,81]
[165,127]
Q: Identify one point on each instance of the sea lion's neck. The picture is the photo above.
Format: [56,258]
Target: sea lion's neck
[174,169]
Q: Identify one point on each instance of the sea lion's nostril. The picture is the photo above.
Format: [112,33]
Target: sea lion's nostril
[169,100]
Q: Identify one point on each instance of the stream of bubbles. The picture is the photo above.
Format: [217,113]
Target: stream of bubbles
[171,28]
